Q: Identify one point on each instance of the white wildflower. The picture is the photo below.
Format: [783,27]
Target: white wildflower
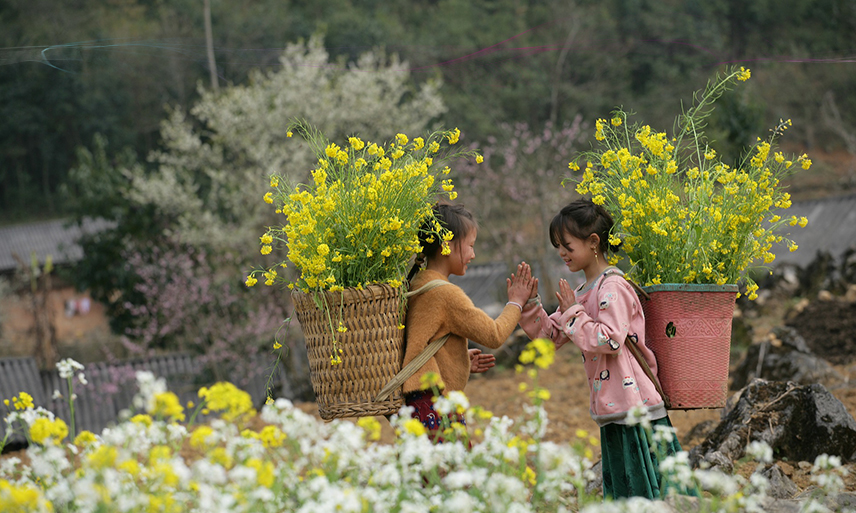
[453,402]
[664,434]
[677,468]
[760,452]
[638,416]
[68,367]
[149,387]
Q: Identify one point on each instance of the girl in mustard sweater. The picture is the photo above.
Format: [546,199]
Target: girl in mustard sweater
[448,310]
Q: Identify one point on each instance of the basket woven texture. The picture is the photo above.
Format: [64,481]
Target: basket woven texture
[372,349]
[688,327]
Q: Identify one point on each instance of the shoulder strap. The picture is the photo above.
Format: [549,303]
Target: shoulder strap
[423,357]
[433,284]
[642,363]
[618,272]
[631,346]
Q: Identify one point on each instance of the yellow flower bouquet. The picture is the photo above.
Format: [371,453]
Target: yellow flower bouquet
[350,236]
[681,213]
[357,223]
[691,226]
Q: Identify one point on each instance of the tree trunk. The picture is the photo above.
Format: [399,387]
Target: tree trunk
[209,43]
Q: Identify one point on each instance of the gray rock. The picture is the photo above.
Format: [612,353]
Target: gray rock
[773,505]
[596,485]
[700,430]
[841,502]
[799,422]
[719,461]
[787,358]
[781,486]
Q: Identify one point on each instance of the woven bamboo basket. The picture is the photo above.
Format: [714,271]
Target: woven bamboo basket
[688,327]
[372,349]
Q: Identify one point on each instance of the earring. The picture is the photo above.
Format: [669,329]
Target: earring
[595,255]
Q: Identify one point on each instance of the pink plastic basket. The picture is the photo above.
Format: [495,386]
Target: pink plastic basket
[688,327]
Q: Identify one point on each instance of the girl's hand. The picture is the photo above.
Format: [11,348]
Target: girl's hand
[565,295]
[520,285]
[480,362]
[523,266]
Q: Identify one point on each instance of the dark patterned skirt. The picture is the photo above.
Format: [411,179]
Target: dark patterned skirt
[631,462]
[422,403]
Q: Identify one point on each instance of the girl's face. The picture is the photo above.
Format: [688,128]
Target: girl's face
[577,253]
[463,252]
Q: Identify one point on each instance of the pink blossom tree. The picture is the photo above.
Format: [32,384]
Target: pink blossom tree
[518,189]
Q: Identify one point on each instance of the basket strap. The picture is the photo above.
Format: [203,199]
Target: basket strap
[642,363]
[634,350]
[425,288]
[411,368]
[423,357]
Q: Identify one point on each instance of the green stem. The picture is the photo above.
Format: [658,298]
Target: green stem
[71,405]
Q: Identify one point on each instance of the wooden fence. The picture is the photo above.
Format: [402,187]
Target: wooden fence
[111,388]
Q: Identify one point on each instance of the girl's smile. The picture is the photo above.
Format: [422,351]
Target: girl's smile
[576,254]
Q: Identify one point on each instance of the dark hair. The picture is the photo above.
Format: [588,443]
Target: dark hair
[581,218]
[455,218]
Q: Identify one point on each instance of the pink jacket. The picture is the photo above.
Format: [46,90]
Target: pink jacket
[599,324]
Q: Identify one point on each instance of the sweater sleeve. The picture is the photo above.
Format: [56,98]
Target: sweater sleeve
[468,321]
[616,303]
[537,324]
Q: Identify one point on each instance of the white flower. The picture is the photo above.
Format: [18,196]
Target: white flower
[460,501]
[760,452]
[67,367]
[638,415]
[454,401]
[677,468]
[9,465]
[664,434]
[149,387]
[717,482]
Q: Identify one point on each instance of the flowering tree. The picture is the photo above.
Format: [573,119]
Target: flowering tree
[187,223]
[191,309]
[527,170]
[216,161]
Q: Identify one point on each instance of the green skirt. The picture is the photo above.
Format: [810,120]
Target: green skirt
[631,461]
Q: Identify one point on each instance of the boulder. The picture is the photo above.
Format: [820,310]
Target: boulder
[829,329]
[799,422]
[785,357]
[843,501]
[821,274]
[781,486]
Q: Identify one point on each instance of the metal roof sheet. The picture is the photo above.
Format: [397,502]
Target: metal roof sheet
[57,238]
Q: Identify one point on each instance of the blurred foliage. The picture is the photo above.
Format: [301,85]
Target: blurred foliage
[114,67]
[186,221]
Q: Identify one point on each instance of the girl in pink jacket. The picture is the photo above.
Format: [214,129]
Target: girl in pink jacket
[600,317]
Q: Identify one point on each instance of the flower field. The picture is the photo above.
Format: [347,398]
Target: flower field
[283,459]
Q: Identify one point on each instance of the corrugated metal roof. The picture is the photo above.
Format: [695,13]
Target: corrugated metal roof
[831,228]
[55,238]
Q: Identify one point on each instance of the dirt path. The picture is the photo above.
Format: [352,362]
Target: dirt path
[568,406]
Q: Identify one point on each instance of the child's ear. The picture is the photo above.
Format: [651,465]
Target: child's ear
[595,240]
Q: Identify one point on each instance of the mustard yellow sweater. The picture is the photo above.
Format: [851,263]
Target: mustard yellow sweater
[447,309]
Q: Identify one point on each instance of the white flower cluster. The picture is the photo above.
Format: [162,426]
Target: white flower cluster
[292,462]
[149,386]
[68,367]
